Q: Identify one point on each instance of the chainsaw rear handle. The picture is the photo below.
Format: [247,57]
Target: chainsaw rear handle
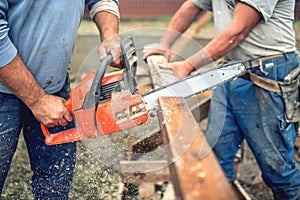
[72,134]
[58,138]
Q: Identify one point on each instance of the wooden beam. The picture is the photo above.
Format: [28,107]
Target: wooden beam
[144,171]
[146,145]
[199,105]
[195,172]
[160,76]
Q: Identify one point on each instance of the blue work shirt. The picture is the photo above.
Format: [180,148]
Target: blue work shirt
[43,33]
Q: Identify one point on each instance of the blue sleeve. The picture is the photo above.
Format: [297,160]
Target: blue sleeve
[8,50]
[90,3]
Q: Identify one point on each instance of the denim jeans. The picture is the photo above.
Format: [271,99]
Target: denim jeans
[242,111]
[52,166]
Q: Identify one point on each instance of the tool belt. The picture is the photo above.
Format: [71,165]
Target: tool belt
[289,88]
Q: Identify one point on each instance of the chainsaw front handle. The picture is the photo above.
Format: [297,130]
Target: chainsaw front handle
[95,92]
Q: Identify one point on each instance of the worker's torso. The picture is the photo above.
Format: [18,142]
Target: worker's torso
[44,33]
[274,34]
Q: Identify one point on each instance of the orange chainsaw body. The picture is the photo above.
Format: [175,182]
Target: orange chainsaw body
[111,119]
[108,119]
[104,103]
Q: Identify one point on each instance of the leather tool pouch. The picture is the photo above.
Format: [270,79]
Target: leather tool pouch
[289,88]
[290,93]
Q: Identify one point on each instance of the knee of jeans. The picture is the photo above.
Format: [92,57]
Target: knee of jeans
[288,134]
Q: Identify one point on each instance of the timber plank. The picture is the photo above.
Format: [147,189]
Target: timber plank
[144,171]
[195,172]
[160,76]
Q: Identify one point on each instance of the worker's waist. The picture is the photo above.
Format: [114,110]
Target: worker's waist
[259,70]
[258,62]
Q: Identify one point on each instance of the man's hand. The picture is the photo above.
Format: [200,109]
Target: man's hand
[108,26]
[156,49]
[180,22]
[50,111]
[181,68]
[112,45]
[47,109]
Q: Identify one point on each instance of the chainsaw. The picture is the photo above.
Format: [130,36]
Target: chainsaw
[104,103]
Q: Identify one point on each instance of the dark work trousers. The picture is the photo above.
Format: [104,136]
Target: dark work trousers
[52,166]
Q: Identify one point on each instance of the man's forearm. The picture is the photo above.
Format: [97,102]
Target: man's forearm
[107,23]
[20,81]
[230,37]
[180,22]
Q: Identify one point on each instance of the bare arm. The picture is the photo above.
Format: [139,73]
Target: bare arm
[180,22]
[108,26]
[107,23]
[245,18]
[48,109]
[21,82]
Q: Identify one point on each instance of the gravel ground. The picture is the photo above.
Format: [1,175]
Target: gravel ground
[94,180]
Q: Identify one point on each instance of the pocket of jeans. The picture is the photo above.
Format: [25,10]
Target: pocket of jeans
[267,68]
[288,133]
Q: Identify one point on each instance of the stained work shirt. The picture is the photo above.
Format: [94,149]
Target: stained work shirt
[43,33]
[274,34]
